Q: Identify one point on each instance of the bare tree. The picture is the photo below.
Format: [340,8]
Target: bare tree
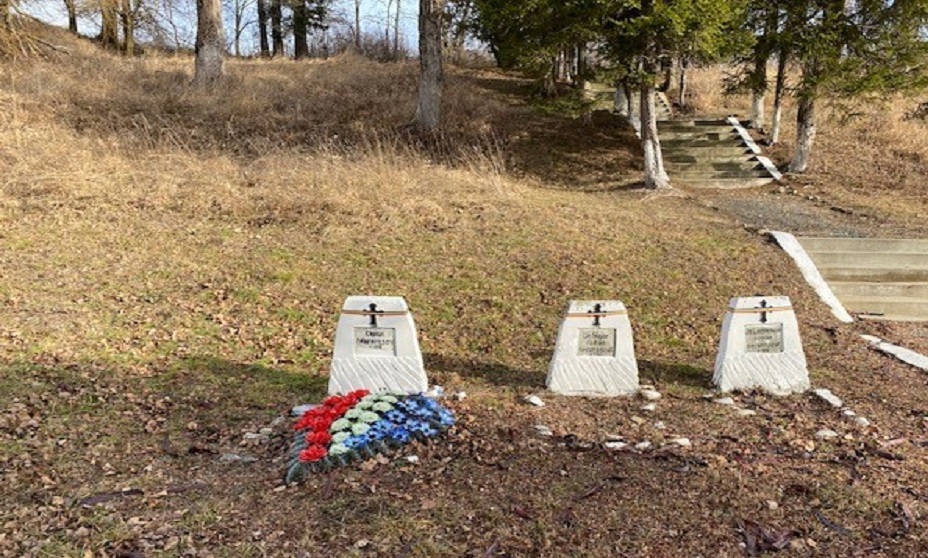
[262,27]
[300,26]
[127,17]
[71,7]
[109,24]
[210,43]
[277,31]
[357,25]
[428,110]
[240,23]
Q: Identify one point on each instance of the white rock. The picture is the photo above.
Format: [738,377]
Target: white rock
[534,400]
[266,431]
[826,434]
[543,430]
[862,422]
[761,347]
[650,394]
[830,398]
[660,425]
[637,420]
[301,410]
[255,436]
[595,352]
[746,412]
[772,505]
[649,407]
[641,446]
[460,396]
[725,401]
[436,392]
[682,442]
[615,445]
[234,457]
[412,459]
[848,413]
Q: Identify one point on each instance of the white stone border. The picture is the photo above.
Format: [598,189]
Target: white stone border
[907,356]
[752,145]
[791,246]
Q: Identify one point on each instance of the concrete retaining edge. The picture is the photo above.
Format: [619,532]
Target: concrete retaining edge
[791,246]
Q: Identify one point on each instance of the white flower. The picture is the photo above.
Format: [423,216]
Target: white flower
[340,437]
[369,417]
[359,428]
[353,414]
[340,424]
[338,449]
[382,407]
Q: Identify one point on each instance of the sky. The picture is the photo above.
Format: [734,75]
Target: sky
[183,29]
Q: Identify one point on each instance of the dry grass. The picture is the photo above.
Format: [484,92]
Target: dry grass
[172,267]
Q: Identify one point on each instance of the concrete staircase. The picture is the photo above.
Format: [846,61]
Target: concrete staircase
[876,278]
[712,154]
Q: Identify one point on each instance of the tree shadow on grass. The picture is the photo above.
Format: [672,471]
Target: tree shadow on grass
[662,373]
[492,372]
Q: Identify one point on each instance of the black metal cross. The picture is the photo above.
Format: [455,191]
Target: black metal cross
[596,311]
[374,311]
[763,314]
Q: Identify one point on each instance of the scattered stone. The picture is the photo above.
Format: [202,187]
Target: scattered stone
[236,458]
[266,431]
[641,446]
[412,459]
[650,394]
[615,445]
[727,401]
[637,420]
[435,392]
[301,410]
[255,437]
[277,422]
[746,412]
[682,442]
[772,505]
[862,422]
[826,434]
[848,413]
[660,425]
[646,386]
[543,430]
[830,398]
[649,407]
[460,396]
[534,400]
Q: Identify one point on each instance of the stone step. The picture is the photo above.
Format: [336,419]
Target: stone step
[697,175]
[709,166]
[694,123]
[690,131]
[700,137]
[898,309]
[683,157]
[815,245]
[696,143]
[706,152]
[887,274]
[868,260]
[860,289]
[723,183]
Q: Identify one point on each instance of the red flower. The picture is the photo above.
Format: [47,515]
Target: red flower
[318,438]
[313,453]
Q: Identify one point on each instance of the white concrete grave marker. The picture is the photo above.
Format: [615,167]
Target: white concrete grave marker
[595,352]
[761,348]
[377,348]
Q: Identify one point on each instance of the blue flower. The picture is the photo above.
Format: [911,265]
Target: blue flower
[399,434]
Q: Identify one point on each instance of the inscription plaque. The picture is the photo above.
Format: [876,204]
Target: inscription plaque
[763,338]
[375,341]
[596,342]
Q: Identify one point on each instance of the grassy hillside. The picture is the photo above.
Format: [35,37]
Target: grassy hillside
[172,267]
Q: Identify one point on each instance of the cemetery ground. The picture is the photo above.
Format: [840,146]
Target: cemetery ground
[173,263]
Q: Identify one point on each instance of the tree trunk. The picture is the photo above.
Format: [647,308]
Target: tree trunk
[655,177]
[620,103]
[262,28]
[109,24]
[128,28]
[6,15]
[758,81]
[428,111]
[357,25]
[778,95]
[396,32]
[210,43]
[681,92]
[277,33]
[805,133]
[72,15]
[300,46]
[634,109]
